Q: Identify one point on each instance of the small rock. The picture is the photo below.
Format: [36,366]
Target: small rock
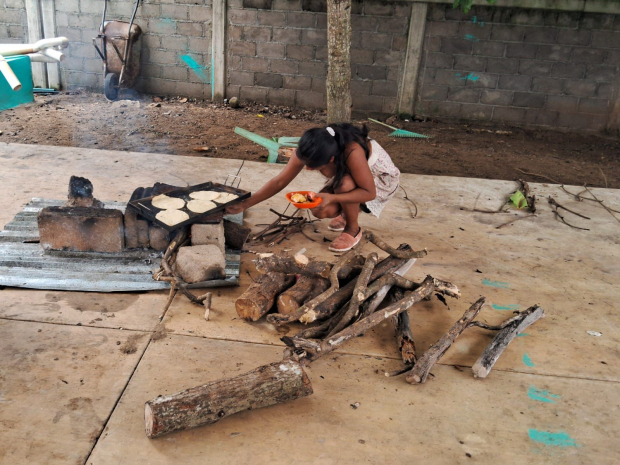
[156,99]
[234,102]
[155,105]
[200,263]
[183,100]
[355,406]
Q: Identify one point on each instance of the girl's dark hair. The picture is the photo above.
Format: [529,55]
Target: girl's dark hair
[317,146]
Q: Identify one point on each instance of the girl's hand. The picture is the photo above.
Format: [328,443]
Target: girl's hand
[328,199]
[236,208]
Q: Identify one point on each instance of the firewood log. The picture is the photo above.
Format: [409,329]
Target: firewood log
[297,265]
[203,405]
[306,288]
[258,299]
[235,234]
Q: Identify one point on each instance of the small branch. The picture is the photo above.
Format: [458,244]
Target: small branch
[609,210]
[413,215]
[516,219]
[400,371]
[539,176]
[557,205]
[554,208]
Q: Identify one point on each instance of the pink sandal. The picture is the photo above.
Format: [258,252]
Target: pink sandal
[337,224]
[345,242]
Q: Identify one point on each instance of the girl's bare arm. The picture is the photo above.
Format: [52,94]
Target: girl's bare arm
[361,174]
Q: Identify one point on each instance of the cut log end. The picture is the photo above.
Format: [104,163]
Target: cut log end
[479,371]
[148,420]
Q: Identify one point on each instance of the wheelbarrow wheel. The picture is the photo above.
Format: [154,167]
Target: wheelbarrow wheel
[110,86]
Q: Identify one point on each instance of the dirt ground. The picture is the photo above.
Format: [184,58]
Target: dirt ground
[177,126]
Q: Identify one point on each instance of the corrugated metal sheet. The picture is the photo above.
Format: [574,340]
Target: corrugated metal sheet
[23,263]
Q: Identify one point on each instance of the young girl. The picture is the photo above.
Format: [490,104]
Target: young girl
[360,176]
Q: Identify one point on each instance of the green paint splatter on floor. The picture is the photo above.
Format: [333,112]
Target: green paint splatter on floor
[559,439]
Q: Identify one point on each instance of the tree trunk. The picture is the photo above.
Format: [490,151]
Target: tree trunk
[258,299]
[306,288]
[339,61]
[202,405]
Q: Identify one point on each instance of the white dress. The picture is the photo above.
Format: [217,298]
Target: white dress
[386,177]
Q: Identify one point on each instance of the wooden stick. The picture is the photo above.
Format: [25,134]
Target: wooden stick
[402,328]
[515,325]
[203,405]
[372,304]
[297,264]
[295,296]
[609,210]
[423,366]
[398,253]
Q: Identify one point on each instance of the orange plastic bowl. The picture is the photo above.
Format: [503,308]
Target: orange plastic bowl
[317,200]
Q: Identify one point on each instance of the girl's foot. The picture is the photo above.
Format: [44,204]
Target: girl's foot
[337,224]
[345,242]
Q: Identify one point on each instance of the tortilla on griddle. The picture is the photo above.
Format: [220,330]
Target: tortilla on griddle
[164,202]
[200,206]
[172,217]
[226,197]
[205,195]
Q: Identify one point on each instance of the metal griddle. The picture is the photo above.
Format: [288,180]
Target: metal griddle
[146,209]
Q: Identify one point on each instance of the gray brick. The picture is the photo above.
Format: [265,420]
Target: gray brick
[396,25]
[476,112]
[541,118]
[464,94]
[270,50]
[310,68]
[70,33]
[362,56]
[284,66]
[175,73]
[563,18]
[483,80]
[613,57]
[605,39]
[605,90]
[200,44]
[439,60]
[435,12]
[253,94]
[439,93]
[320,53]
[554,53]
[389,105]
[148,40]
[233,91]
[496,97]
[580,88]
[257,34]
[368,103]
[447,109]
[547,85]
[384,88]
[455,14]
[70,6]
[254,64]
[443,29]
[300,52]
[317,6]
[374,41]
[388,58]
[271,18]
[473,31]
[502,65]
[594,105]
[507,33]
[525,17]
[601,73]
[521,50]
[508,114]
[175,43]
[561,103]
[447,77]
[190,29]
[432,44]
[240,78]
[535,68]
[360,87]
[371,72]
[522,83]
[242,16]
[233,62]
[401,9]
[310,100]
[364,23]
[197,13]
[235,32]
[282,97]
[456,46]
[319,84]
[574,36]
[313,37]
[541,35]
[243,48]
[399,43]
[528,99]
[469,63]
[160,26]
[295,19]
[356,39]
[321,21]
[269,80]
[577,121]
[588,55]
[259,4]
[161,56]
[298,82]
[286,36]
[174,12]
[568,70]
[379,8]
[489,49]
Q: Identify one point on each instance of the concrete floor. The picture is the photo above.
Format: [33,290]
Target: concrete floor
[76,368]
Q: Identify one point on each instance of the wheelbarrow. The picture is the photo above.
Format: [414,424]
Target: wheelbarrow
[119,49]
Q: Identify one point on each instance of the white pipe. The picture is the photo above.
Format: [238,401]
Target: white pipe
[8,73]
[24,49]
[53,53]
[40,58]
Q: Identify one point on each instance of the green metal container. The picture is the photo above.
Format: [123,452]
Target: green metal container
[22,69]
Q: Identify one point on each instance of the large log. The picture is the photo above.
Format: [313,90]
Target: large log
[203,405]
[293,264]
[258,299]
[235,234]
[306,288]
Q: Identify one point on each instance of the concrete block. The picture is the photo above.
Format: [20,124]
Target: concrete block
[502,65]
[613,57]
[361,87]
[597,21]
[282,97]
[317,6]
[436,12]
[535,68]
[269,80]
[508,115]
[193,89]
[464,95]
[270,50]
[300,19]
[320,53]
[476,112]
[368,103]
[430,92]
[242,16]
[200,263]
[243,48]
[541,118]
[507,33]
[397,25]
[568,70]
[522,83]
[300,52]
[174,73]
[240,78]
[447,77]
[472,31]
[209,234]
[547,85]
[319,84]
[580,122]
[399,43]
[384,88]
[432,44]
[159,26]
[485,80]
[314,37]
[81,229]
[362,56]
[379,8]
[561,103]
[260,65]
[371,72]
[574,36]
[489,49]
[389,58]
[521,50]
[446,109]
[563,19]
[469,63]
[594,105]
[287,36]
[174,12]
[439,60]
[310,100]
[257,34]
[259,4]
[588,55]
[456,46]
[271,18]
[164,57]
[200,44]
[253,94]
[311,68]
[554,53]
[198,13]
[528,99]
[605,90]
[605,39]
[443,29]
[541,35]
[496,97]
[601,73]
[284,66]
[159,238]
[297,82]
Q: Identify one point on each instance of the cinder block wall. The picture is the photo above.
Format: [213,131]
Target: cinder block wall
[13,28]
[277,52]
[524,67]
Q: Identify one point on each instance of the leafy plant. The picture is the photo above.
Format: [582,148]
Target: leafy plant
[465,5]
[518,200]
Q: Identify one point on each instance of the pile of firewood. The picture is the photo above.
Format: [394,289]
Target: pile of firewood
[342,300]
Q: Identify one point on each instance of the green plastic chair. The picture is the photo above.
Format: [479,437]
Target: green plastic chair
[271,145]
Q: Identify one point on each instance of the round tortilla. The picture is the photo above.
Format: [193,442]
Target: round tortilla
[200,206]
[164,202]
[172,217]
[226,197]
[205,195]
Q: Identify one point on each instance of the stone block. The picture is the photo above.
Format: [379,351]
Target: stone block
[588,55]
[253,94]
[561,103]
[469,63]
[489,48]
[579,121]
[384,88]
[574,36]
[541,35]
[438,93]
[496,97]
[541,118]
[260,65]
[360,87]
[297,82]
[535,68]
[371,72]
[528,99]
[287,36]
[312,68]
[200,263]
[319,84]
[502,65]
[464,95]
[257,34]
[296,19]
[508,115]
[136,230]
[240,78]
[554,53]
[476,112]
[605,39]
[159,238]
[443,29]
[389,58]
[242,16]
[270,50]
[284,66]
[547,85]
[447,77]
[209,234]
[397,25]
[259,4]
[282,97]
[379,8]
[269,80]
[368,103]
[594,105]
[521,50]
[310,100]
[507,33]
[568,70]
[456,46]
[399,42]
[314,37]
[601,73]
[243,48]
[300,52]
[522,83]
[320,53]
[317,6]
[439,60]
[81,229]
[271,18]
